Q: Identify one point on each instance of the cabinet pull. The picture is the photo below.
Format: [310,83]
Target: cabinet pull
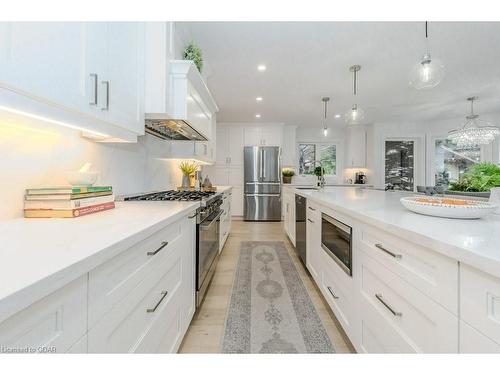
[94,102]
[192,217]
[164,294]
[106,107]
[394,312]
[379,246]
[331,292]
[313,209]
[309,220]
[163,244]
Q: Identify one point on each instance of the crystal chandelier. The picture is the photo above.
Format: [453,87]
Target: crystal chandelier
[473,134]
[427,73]
[325,100]
[355,115]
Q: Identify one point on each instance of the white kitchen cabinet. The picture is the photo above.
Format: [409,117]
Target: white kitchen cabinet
[356,147]
[237,201]
[222,145]
[87,76]
[473,341]
[57,321]
[289,148]
[288,211]
[266,135]
[225,220]
[398,318]
[480,301]
[313,241]
[230,145]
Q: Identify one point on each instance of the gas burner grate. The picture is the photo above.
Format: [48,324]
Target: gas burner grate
[172,195]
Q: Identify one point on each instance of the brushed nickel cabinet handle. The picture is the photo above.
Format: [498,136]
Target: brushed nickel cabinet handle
[379,246]
[331,292]
[394,312]
[106,107]
[191,217]
[309,220]
[313,209]
[164,294]
[94,102]
[163,244]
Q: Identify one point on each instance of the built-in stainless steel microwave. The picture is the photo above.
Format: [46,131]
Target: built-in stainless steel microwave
[336,240]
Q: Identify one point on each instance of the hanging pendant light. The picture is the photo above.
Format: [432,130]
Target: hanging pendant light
[356,114]
[325,100]
[427,73]
[474,132]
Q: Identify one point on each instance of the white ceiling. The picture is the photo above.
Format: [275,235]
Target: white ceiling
[308,60]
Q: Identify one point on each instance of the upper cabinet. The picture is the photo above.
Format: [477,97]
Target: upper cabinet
[230,143]
[266,135]
[88,76]
[356,147]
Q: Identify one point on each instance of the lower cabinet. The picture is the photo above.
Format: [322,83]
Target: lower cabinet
[313,241]
[142,300]
[288,213]
[225,219]
[473,341]
[53,324]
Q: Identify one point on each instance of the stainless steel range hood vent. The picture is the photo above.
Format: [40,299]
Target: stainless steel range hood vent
[176,130]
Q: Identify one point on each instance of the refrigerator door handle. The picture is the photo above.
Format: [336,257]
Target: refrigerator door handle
[262,195]
[262,183]
[263,164]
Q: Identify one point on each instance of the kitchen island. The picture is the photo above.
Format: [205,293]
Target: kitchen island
[411,283]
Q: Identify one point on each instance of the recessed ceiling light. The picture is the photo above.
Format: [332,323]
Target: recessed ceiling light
[258,98]
[337,116]
[257,115]
[261,67]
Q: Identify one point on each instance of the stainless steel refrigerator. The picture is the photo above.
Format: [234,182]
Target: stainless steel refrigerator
[262,167]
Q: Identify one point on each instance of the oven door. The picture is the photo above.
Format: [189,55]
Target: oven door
[208,249]
[336,240]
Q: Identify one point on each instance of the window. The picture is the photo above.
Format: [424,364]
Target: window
[399,165]
[451,163]
[324,152]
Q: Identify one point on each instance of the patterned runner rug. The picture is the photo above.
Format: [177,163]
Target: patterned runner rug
[270,310]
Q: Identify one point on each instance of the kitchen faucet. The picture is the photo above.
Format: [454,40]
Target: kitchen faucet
[322,177]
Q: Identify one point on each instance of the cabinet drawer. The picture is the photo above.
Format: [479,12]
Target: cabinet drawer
[127,325]
[396,317]
[337,291]
[313,212]
[473,341]
[480,301]
[431,273]
[57,321]
[114,280]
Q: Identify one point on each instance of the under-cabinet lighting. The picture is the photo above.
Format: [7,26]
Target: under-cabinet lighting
[200,162]
[52,121]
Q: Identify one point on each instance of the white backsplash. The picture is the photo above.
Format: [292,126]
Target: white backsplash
[37,155]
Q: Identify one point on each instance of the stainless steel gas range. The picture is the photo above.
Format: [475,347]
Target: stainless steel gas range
[207,231]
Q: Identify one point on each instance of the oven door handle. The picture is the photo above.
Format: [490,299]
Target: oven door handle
[204,226]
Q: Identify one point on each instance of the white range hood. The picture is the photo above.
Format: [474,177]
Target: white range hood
[179,105]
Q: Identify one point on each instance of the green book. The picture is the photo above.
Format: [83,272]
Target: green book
[69,190]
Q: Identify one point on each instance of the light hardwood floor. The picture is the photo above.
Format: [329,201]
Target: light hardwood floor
[205,332]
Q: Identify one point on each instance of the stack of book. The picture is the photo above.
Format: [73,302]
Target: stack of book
[68,201]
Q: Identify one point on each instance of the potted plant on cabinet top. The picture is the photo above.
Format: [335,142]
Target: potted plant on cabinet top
[188,169]
[193,52]
[287,175]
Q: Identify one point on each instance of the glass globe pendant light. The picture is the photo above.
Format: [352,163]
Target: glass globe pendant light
[356,114]
[325,100]
[473,134]
[428,72]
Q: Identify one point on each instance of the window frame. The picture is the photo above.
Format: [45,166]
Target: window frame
[316,148]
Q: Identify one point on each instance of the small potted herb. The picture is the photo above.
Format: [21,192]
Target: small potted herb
[287,175]
[188,169]
[193,52]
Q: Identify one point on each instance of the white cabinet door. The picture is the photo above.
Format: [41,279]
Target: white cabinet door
[473,341]
[313,241]
[272,135]
[125,75]
[44,60]
[236,142]
[221,176]
[222,151]
[356,150]
[237,201]
[235,176]
[253,136]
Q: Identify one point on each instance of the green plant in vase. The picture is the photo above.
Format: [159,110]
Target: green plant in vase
[287,175]
[480,178]
[193,52]
[188,169]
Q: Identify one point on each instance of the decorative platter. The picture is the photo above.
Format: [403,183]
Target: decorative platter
[453,208]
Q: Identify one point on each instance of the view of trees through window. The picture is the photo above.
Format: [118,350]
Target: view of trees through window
[451,162]
[324,152]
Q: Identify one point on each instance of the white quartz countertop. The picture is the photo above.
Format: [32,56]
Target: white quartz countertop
[473,242]
[38,256]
